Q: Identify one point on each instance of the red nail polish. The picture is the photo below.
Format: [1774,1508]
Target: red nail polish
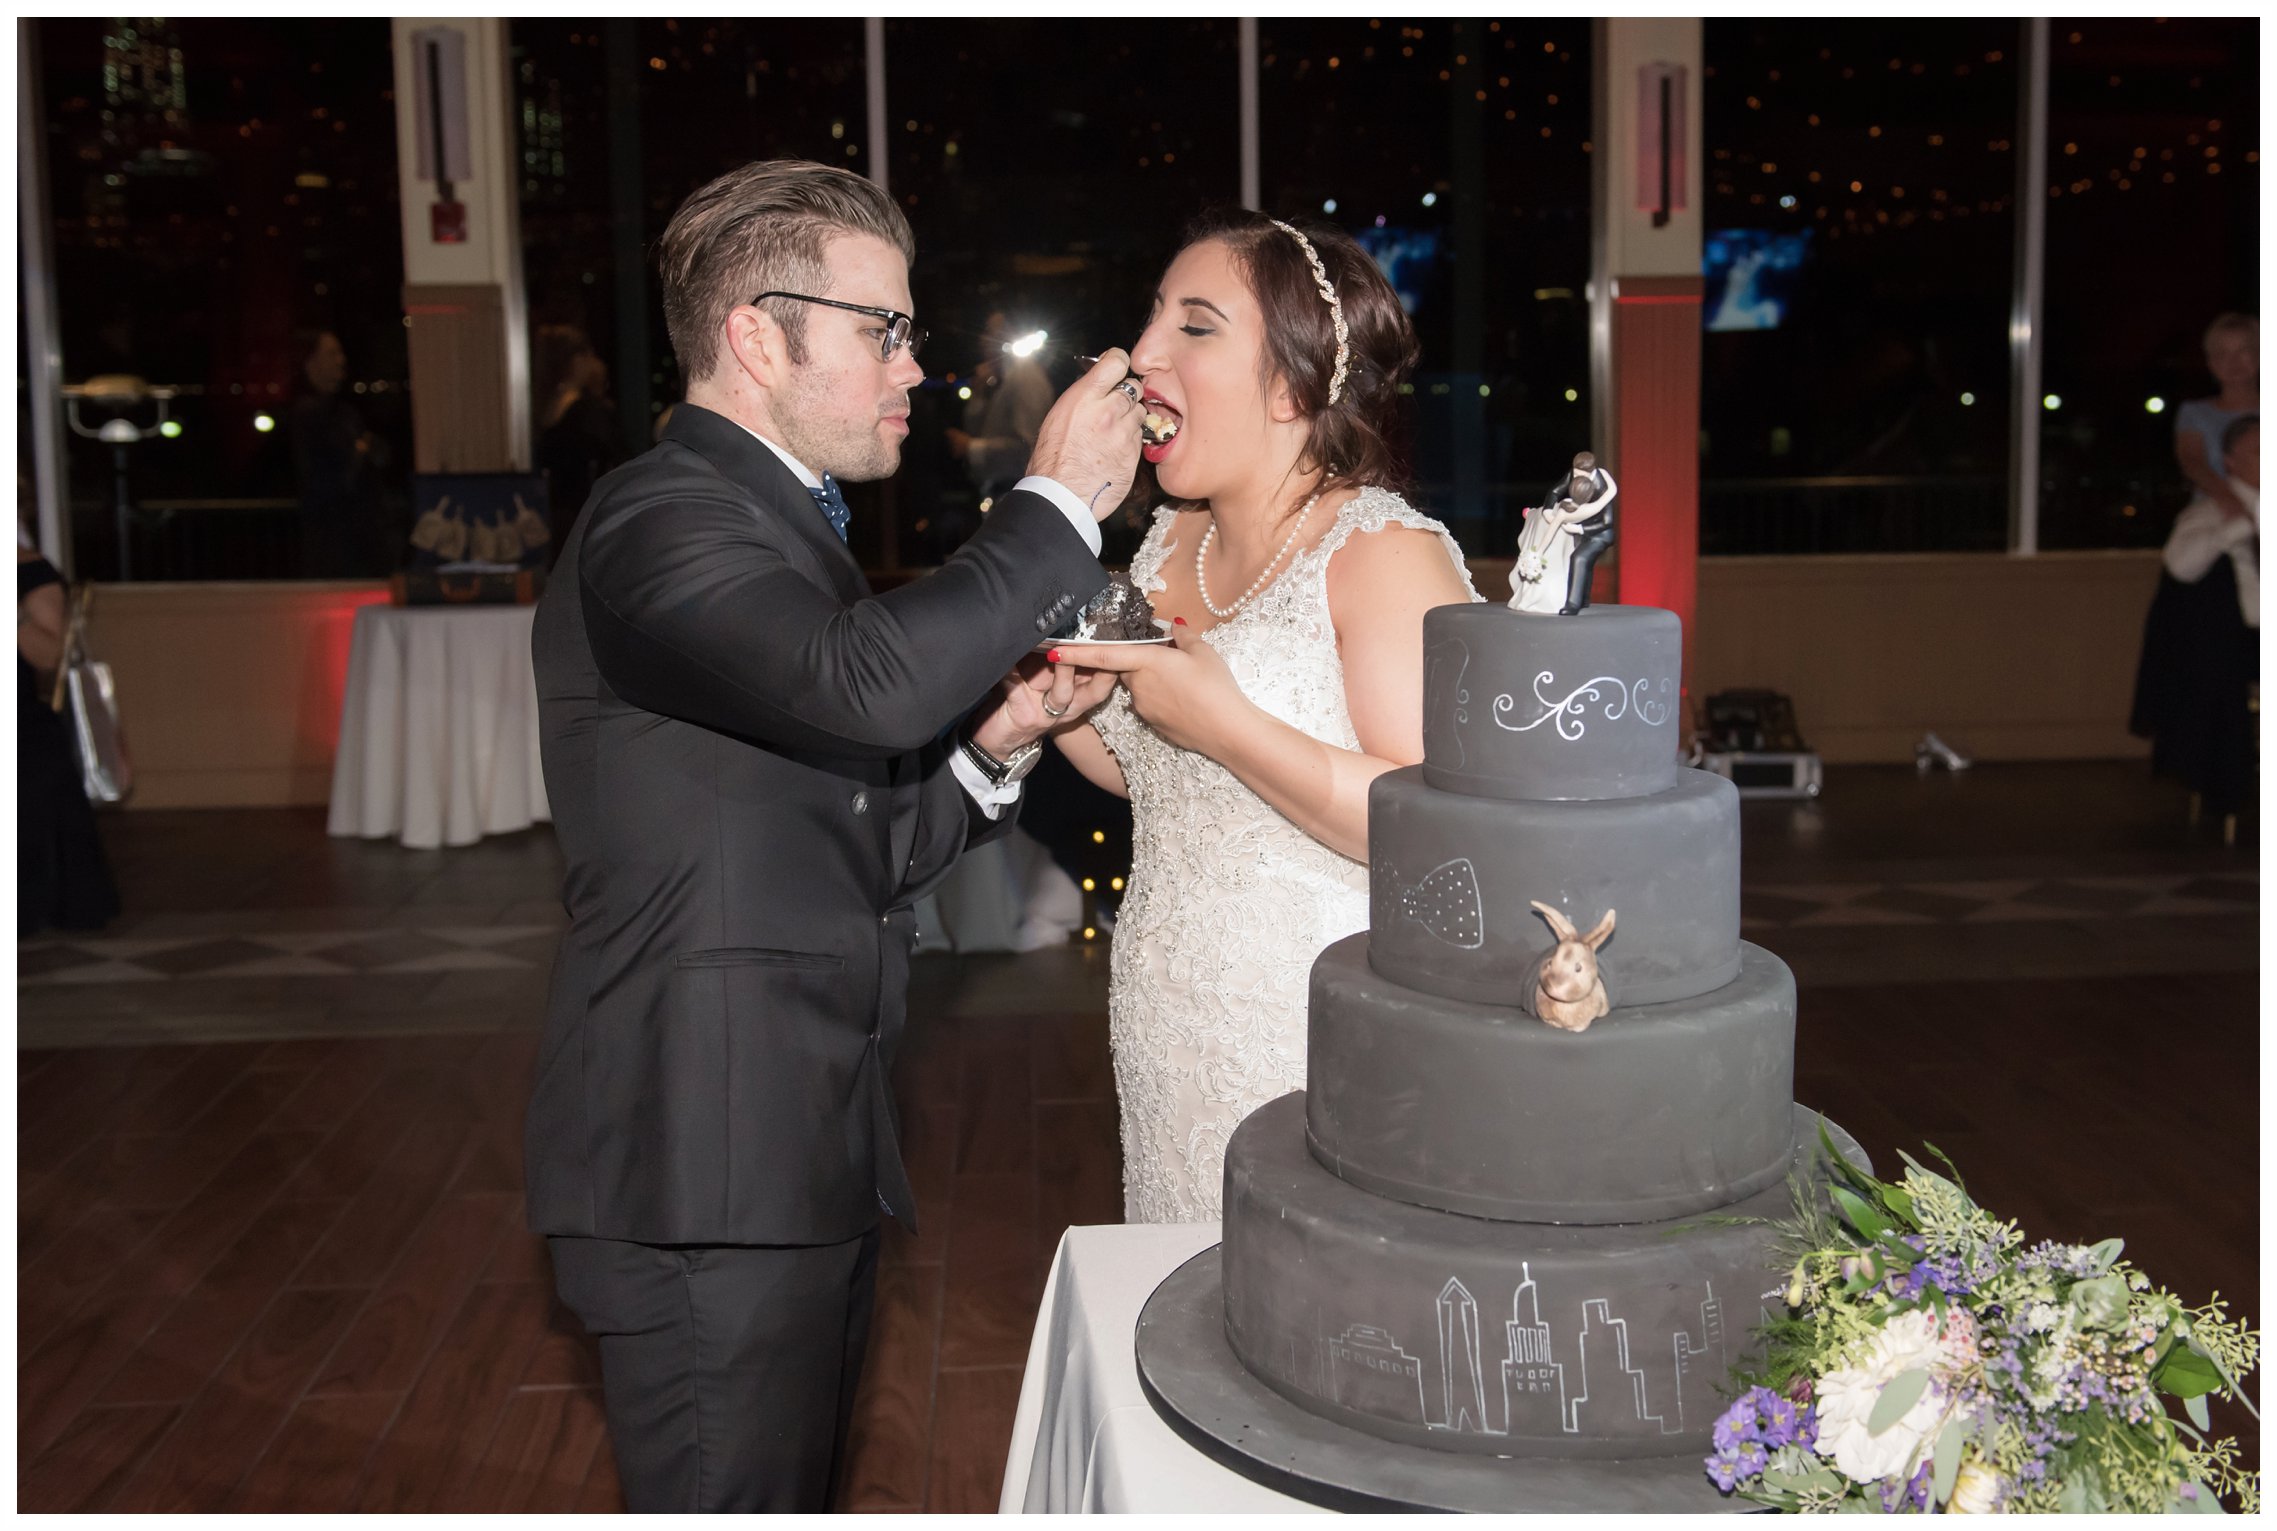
[1181,621]
[1053,656]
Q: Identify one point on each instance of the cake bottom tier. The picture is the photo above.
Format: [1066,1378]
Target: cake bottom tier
[1496,1338]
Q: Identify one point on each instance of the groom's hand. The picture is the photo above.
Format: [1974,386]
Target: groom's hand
[1089,443]
[1036,699]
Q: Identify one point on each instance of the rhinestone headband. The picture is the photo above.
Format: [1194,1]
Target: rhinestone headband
[1335,309]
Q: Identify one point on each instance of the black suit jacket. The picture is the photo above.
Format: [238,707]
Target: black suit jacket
[742,751]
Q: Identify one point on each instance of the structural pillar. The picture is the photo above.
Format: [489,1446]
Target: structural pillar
[1245,31]
[462,246]
[1467,120]
[625,66]
[43,344]
[2026,346]
[1645,304]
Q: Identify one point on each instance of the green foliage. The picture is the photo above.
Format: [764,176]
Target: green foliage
[1900,1394]
[1947,1459]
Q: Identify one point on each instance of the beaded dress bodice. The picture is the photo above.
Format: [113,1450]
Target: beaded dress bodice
[1229,902]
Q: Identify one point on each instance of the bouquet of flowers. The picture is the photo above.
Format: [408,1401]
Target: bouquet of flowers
[1930,1361]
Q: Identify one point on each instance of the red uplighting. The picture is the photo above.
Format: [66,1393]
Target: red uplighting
[324,685]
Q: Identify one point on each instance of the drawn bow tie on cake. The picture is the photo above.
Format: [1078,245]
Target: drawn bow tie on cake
[1446,903]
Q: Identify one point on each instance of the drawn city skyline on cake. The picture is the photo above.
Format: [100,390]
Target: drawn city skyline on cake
[1538,1393]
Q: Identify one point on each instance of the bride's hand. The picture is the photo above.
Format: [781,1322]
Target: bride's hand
[1038,698]
[1182,689]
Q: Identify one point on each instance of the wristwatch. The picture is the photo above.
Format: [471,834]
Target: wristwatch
[1003,773]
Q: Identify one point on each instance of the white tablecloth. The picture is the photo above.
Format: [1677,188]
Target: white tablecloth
[439,727]
[1084,1438]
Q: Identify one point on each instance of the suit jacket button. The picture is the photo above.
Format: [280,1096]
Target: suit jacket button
[861,803]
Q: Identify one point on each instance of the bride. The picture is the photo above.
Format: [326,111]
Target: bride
[1295,580]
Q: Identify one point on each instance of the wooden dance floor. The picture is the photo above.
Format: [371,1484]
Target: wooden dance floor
[270,1248]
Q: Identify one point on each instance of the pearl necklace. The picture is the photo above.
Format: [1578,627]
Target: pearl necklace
[1202,578]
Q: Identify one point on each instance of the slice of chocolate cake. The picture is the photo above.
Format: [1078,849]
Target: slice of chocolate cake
[1118,614]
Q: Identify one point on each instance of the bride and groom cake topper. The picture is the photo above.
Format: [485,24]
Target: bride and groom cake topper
[1562,541]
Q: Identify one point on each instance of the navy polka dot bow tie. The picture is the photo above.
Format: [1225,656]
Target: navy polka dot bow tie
[833,505]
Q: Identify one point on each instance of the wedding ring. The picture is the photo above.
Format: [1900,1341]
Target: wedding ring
[1054,712]
[1128,390]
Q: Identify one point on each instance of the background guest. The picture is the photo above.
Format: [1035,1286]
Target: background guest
[1010,397]
[2201,664]
[62,878]
[335,462]
[2233,356]
[577,424]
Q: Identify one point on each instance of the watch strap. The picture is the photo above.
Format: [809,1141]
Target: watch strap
[1000,772]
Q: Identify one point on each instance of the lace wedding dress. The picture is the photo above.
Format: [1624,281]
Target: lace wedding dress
[1229,902]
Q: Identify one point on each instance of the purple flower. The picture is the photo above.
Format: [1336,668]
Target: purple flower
[2063,1259]
[1914,1491]
[1741,1421]
[1800,1389]
[1731,1466]
[1781,1419]
[1759,1399]
[1806,1433]
[1741,1438]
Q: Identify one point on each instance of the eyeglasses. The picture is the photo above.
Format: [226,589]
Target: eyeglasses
[900,330]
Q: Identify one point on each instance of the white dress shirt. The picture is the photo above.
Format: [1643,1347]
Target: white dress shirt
[2203,534]
[992,798]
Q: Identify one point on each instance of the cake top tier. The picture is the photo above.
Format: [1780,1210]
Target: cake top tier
[1528,705]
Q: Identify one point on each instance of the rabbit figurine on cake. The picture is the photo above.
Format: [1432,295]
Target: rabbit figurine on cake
[1568,992]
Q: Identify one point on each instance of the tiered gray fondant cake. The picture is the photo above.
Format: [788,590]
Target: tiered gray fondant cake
[1476,1232]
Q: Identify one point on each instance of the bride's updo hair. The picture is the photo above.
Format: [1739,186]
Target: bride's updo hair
[1361,439]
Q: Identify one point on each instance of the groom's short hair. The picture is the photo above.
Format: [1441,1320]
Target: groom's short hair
[763,228]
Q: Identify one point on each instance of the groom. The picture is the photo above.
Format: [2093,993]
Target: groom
[756,766]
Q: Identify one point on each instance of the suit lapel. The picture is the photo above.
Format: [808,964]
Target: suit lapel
[746,460]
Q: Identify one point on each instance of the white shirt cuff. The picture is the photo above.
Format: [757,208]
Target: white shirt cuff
[992,799]
[1078,514]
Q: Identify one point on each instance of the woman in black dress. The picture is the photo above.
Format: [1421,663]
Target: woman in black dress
[2201,662]
[62,879]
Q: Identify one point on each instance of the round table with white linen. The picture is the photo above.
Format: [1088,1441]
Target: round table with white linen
[1084,1438]
[439,727]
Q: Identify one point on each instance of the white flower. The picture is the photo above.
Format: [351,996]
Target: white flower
[1846,1399]
[1977,1490]
[2040,1318]
[1531,566]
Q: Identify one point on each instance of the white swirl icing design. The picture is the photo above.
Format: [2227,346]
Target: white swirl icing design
[1628,699]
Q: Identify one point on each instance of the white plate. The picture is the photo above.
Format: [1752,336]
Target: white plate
[1049,644]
